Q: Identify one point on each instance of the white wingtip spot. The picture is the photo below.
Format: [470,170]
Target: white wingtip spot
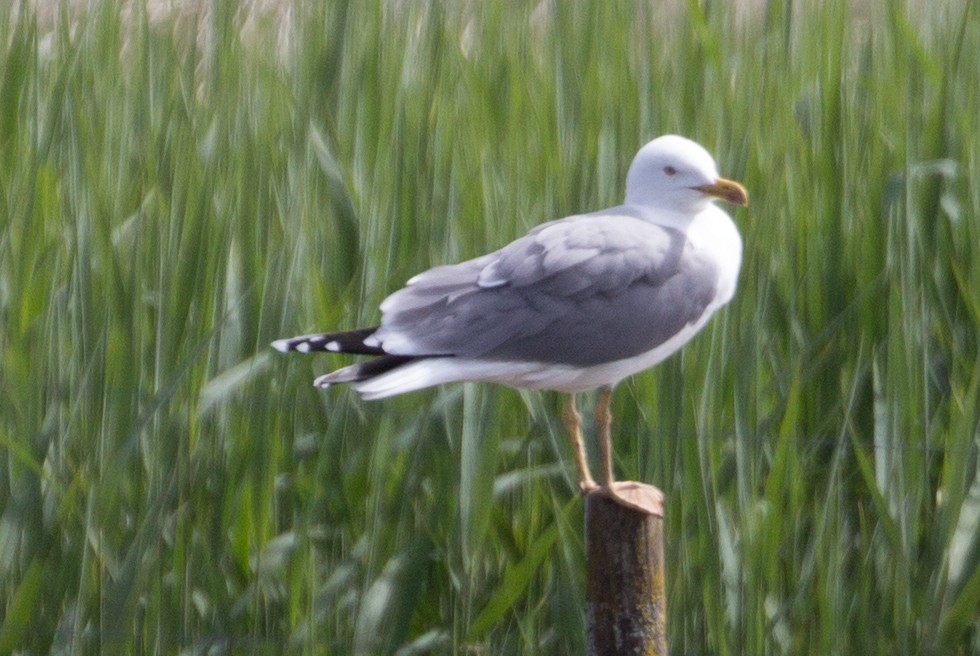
[281,345]
[303,347]
[372,342]
[332,345]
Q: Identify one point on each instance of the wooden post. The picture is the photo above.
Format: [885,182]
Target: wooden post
[626,598]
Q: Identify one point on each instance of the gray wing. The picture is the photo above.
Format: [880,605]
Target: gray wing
[581,291]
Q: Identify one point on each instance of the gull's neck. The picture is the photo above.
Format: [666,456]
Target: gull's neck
[676,219]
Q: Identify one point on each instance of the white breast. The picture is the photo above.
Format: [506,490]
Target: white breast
[713,232]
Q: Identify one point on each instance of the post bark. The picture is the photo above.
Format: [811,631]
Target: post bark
[626,596]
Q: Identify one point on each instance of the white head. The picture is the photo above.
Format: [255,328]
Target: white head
[677,174]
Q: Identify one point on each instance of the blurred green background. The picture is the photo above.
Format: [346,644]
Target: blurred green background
[181,183]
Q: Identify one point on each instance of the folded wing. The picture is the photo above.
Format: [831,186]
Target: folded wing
[547,296]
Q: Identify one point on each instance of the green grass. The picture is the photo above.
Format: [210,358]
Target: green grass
[173,196]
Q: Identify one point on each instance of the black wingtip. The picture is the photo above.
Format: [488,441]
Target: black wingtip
[351,341]
[355,373]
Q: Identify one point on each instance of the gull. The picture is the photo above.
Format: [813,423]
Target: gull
[577,304]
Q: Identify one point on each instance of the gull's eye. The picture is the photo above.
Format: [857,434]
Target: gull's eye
[670,170]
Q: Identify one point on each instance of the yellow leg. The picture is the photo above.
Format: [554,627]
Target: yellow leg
[603,420]
[573,422]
